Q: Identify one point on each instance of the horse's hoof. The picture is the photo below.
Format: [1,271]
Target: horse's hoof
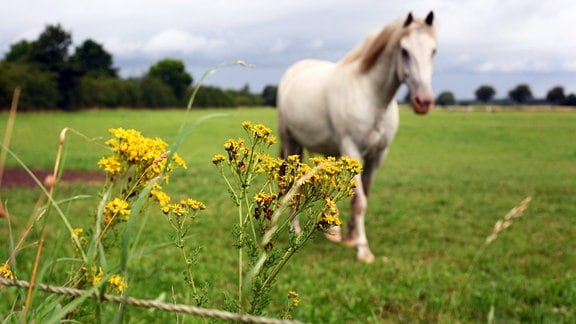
[333,234]
[365,257]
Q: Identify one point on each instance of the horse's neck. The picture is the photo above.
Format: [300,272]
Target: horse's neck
[384,80]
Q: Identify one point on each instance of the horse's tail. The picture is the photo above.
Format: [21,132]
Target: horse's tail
[288,145]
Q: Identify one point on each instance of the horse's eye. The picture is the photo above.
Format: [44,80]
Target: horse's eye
[433,52]
[405,54]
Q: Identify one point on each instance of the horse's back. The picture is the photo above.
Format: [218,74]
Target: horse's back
[304,74]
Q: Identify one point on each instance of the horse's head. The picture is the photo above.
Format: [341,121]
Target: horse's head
[415,52]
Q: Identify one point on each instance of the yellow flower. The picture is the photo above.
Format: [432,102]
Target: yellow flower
[271,139]
[351,165]
[178,160]
[97,277]
[247,125]
[160,196]
[176,209]
[193,204]
[92,276]
[5,271]
[118,282]
[117,207]
[218,158]
[259,132]
[329,219]
[110,164]
[76,232]
[294,296]
[330,202]
[229,144]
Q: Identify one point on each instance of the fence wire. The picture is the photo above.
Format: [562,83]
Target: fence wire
[174,308]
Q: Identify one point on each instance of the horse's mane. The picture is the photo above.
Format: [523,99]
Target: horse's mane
[388,37]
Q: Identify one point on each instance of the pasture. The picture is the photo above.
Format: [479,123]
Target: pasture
[449,178]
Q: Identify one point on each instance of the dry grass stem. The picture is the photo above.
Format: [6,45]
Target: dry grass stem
[508,219]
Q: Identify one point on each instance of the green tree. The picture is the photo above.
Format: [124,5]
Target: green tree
[172,72]
[92,59]
[39,88]
[570,100]
[212,97]
[269,95]
[19,52]
[156,93]
[243,97]
[556,95]
[445,98]
[485,93]
[520,94]
[50,50]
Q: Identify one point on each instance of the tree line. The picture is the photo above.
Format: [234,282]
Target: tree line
[521,94]
[52,78]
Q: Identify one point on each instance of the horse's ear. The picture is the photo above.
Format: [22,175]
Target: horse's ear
[408,20]
[430,18]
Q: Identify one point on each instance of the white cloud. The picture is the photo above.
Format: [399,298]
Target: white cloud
[316,44]
[178,41]
[279,46]
[475,36]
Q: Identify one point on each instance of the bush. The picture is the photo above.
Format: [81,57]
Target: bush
[39,88]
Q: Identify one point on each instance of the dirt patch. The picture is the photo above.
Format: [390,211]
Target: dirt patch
[21,178]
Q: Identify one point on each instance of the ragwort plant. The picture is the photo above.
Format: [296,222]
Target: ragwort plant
[268,192]
[136,170]
[267,207]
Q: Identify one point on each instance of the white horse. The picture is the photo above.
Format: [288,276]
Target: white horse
[348,108]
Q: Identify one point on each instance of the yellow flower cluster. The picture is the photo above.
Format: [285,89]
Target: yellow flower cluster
[294,296]
[329,216]
[114,208]
[327,179]
[329,176]
[266,203]
[138,159]
[159,196]
[259,132]
[184,207]
[293,302]
[131,149]
[239,153]
[5,271]
[118,282]
[76,233]
[94,275]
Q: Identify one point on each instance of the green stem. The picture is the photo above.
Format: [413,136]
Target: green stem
[188,265]
[287,255]
[240,255]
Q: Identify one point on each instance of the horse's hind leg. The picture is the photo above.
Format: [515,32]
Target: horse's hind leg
[288,146]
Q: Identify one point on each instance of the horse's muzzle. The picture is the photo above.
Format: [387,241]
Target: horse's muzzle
[422,105]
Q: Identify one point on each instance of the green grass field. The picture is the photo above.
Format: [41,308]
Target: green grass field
[449,177]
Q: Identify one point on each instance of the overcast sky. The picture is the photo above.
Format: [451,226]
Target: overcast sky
[496,42]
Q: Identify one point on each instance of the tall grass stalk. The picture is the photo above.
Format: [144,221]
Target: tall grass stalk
[500,225]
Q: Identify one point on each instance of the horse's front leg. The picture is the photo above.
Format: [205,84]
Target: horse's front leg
[356,232]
